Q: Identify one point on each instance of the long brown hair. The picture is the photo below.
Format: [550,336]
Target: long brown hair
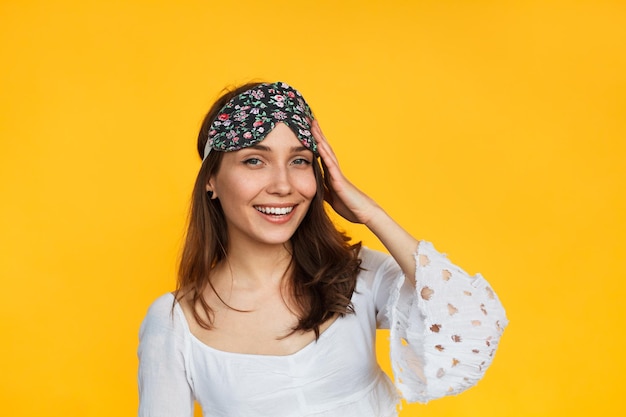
[324,263]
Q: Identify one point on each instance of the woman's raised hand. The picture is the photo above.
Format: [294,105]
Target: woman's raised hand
[347,200]
[353,205]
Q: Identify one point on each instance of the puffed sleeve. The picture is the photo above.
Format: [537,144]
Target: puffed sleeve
[444,332]
[164,385]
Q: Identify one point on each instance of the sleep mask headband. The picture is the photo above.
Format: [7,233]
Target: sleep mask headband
[248,118]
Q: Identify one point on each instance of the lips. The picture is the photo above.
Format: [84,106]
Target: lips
[274,211]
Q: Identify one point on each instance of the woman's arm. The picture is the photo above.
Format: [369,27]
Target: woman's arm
[164,387]
[353,205]
[445,327]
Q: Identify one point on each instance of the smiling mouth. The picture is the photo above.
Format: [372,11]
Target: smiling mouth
[274,211]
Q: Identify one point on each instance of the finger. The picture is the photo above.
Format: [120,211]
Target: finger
[316,130]
[331,165]
[319,136]
[326,153]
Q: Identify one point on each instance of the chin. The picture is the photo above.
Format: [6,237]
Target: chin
[276,240]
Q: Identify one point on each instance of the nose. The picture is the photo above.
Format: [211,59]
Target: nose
[280,182]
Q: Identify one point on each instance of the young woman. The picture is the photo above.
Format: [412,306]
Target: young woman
[276,311]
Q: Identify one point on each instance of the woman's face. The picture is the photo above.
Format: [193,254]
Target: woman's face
[265,190]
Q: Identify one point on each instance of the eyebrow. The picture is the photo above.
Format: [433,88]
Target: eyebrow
[268,149]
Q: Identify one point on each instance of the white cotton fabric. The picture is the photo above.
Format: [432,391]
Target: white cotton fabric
[443,337]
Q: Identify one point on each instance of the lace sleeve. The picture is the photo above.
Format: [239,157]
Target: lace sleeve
[444,332]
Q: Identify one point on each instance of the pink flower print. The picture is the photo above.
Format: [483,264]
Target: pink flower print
[278,97]
[212,133]
[257,94]
[240,116]
[255,110]
[247,135]
[279,115]
[291,94]
[260,130]
[257,123]
[223,116]
[304,132]
[236,139]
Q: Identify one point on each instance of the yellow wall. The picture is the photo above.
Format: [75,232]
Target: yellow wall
[495,129]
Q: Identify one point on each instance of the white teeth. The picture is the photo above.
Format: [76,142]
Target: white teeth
[274,210]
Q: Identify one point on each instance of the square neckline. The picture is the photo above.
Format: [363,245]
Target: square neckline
[323,335]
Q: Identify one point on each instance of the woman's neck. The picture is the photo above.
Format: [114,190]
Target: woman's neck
[256,265]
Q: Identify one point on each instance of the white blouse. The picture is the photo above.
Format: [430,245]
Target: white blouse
[443,338]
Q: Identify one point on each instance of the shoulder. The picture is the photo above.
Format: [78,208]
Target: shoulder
[163,352]
[375,261]
[161,306]
[164,315]
[377,266]
[371,258]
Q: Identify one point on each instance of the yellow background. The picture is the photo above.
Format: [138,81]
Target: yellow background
[495,129]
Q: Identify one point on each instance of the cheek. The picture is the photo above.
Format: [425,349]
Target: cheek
[234,186]
[307,185]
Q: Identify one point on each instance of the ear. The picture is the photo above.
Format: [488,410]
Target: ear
[210,187]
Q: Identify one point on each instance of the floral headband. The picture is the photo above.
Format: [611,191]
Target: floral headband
[247,118]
